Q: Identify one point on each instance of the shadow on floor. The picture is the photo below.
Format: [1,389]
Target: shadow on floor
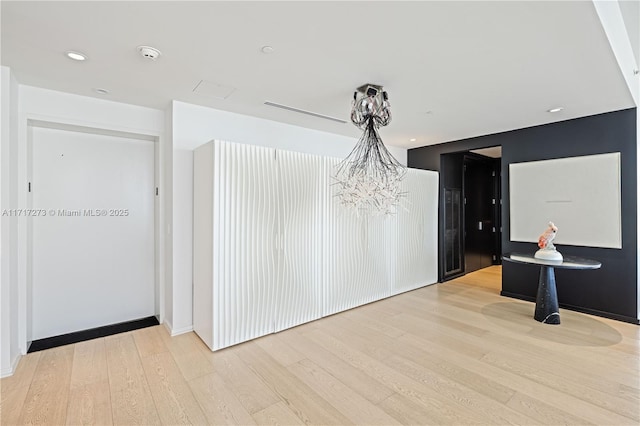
[576,329]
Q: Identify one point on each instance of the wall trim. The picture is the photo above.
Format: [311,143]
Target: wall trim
[11,370]
[178,331]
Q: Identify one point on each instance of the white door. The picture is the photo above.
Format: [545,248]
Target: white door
[93,252]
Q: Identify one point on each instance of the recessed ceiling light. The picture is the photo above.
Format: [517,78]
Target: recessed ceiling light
[101,91]
[76,56]
[413,140]
[267,49]
[558,109]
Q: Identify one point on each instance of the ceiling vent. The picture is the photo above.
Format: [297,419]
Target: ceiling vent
[302,111]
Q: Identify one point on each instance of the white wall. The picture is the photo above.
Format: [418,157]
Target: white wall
[167,210]
[9,332]
[182,240]
[195,125]
[63,108]
[621,28]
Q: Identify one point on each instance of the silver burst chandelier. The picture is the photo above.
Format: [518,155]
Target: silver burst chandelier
[368,180]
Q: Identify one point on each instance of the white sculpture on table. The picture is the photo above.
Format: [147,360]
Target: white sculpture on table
[547,249]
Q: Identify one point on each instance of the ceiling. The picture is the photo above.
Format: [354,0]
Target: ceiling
[452,69]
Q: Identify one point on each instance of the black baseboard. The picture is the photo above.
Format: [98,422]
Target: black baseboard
[94,333]
[595,312]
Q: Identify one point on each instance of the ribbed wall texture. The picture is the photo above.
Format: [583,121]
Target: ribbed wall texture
[245,229]
[415,236]
[356,254]
[286,252]
[299,296]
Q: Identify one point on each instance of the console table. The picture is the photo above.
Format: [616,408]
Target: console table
[547,310]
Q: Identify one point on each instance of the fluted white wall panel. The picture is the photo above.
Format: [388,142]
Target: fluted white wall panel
[273,247]
[299,295]
[244,227]
[356,254]
[415,233]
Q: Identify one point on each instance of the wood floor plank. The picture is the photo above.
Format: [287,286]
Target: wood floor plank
[409,412]
[356,379]
[557,379]
[24,372]
[12,404]
[400,383]
[149,341]
[300,398]
[220,406]
[47,398]
[276,414]
[372,319]
[282,353]
[354,406]
[89,363]
[475,373]
[90,404]
[544,413]
[14,389]
[453,365]
[173,397]
[252,392]
[189,353]
[496,412]
[131,400]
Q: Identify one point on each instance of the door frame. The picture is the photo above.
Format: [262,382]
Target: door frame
[25,232]
[441,211]
[467,158]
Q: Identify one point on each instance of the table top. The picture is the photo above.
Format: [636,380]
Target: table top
[569,262]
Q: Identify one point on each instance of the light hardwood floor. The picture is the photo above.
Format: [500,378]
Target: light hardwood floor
[450,353]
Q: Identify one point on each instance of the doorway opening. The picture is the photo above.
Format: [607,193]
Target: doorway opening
[470,212]
[92,249]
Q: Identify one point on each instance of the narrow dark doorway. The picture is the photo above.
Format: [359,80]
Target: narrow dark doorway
[481,211]
[470,212]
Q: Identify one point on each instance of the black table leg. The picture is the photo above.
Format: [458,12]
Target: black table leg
[547,310]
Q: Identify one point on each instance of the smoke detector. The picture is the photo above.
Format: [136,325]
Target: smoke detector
[149,52]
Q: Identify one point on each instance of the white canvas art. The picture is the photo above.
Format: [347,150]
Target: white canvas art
[581,195]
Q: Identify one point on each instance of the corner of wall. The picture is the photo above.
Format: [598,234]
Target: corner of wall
[9,324]
[167,210]
[6,372]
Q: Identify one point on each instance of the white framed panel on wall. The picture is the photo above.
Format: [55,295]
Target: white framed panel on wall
[581,195]
[299,293]
[415,236]
[356,254]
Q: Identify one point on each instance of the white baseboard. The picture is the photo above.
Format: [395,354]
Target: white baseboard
[6,372]
[182,330]
[168,326]
[176,331]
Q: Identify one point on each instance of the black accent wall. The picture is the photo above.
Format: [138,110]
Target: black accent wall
[610,291]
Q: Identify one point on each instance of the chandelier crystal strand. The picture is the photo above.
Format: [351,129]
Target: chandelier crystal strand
[369,178]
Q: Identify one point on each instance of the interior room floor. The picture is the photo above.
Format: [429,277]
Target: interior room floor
[489,277]
[450,353]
